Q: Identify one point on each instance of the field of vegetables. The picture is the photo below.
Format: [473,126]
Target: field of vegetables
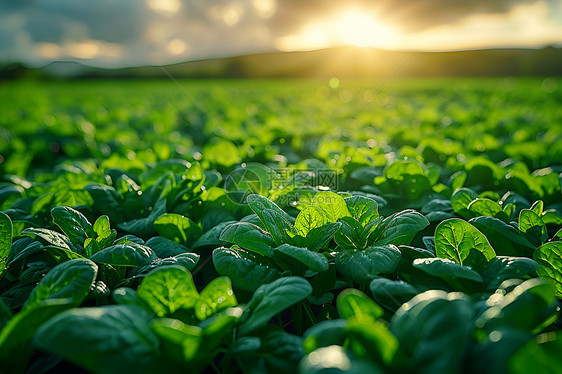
[244,226]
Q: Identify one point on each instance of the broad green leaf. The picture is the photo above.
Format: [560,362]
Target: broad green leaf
[309,218]
[504,238]
[274,352]
[5,240]
[460,277]
[15,337]
[70,280]
[312,260]
[461,242]
[177,227]
[144,226]
[180,341]
[319,237]
[106,339]
[49,236]
[216,296]
[549,258]
[430,322]
[460,201]
[246,270]
[260,203]
[168,289]
[363,266]
[187,260]
[354,303]
[164,247]
[350,234]
[392,293]
[503,268]
[332,204]
[400,228]
[488,208]
[130,254]
[271,299]
[248,236]
[73,223]
[362,208]
[530,305]
[533,227]
[279,228]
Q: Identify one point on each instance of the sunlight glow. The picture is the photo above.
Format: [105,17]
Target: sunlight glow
[352,27]
[362,30]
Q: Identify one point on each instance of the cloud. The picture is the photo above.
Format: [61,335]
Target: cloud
[410,15]
[134,32]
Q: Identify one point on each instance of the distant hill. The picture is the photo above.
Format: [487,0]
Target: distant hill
[342,62]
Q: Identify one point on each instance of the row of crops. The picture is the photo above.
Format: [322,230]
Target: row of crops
[251,226]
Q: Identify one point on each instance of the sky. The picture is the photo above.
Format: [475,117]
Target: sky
[116,33]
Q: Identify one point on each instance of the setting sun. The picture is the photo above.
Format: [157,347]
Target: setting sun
[362,30]
[351,27]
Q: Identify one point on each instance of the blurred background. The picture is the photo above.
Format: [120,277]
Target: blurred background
[271,38]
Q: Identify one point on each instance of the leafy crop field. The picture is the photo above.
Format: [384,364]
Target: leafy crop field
[281,226]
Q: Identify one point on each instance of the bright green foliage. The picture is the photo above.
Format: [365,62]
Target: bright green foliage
[281,226]
[168,289]
[549,258]
[461,242]
[5,239]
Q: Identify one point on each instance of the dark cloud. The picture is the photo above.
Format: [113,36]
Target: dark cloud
[116,21]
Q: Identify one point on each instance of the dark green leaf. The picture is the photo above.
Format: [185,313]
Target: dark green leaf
[15,337]
[392,293]
[70,280]
[106,339]
[400,228]
[460,277]
[533,227]
[363,266]
[167,289]
[504,238]
[312,260]
[73,223]
[130,254]
[271,299]
[248,236]
[430,322]
[246,270]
